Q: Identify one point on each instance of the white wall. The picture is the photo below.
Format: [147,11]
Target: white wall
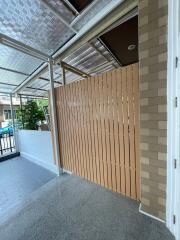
[36,146]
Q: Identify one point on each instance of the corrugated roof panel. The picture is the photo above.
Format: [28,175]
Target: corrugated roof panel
[93,60]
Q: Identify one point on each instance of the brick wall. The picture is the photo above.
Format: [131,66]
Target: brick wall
[153,104]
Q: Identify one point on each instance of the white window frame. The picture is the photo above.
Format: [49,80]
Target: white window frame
[173,128]
[9,114]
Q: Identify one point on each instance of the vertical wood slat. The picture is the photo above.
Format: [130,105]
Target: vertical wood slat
[98,128]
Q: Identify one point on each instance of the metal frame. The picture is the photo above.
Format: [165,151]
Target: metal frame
[65,66]
[14,71]
[71,7]
[173,119]
[85,11]
[13,123]
[12,43]
[15,85]
[83,36]
[74,70]
[54,118]
[31,78]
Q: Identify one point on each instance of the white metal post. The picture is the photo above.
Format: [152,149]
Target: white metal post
[63,75]
[13,123]
[54,118]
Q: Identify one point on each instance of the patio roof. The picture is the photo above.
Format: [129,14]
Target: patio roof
[34,31]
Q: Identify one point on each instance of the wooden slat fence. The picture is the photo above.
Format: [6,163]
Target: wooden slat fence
[98,126]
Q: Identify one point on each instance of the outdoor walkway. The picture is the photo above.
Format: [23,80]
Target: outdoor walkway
[18,179]
[69,208]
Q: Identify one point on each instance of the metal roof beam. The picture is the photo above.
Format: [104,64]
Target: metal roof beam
[74,70]
[14,71]
[72,8]
[12,43]
[15,85]
[41,70]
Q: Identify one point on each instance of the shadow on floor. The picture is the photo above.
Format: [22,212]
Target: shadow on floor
[18,178]
[69,208]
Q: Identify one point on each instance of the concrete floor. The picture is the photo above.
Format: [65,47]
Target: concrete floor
[69,208]
[18,178]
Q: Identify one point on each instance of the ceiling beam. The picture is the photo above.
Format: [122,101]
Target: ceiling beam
[15,85]
[14,71]
[32,96]
[71,7]
[19,46]
[41,70]
[74,70]
[84,12]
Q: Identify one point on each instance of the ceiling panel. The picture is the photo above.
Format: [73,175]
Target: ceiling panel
[34,24]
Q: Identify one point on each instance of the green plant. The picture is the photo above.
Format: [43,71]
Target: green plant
[41,102]
[30,115]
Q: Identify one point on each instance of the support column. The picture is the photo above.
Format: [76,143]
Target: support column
[20,98]
[54,128]
[13,123]
[63,75]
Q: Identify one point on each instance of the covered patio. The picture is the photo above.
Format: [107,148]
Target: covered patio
[99,171]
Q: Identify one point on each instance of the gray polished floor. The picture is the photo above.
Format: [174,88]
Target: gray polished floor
[18,179]
[70,208]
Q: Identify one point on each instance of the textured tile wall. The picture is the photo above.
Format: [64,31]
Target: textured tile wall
[153,104]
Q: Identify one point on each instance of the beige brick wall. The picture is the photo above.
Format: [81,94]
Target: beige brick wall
[153,104]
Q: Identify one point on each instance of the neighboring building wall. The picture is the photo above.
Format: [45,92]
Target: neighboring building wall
[153,104]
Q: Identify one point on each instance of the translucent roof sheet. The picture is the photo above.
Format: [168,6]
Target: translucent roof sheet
[34,24]
[6,88]
[10,77]
[13,59]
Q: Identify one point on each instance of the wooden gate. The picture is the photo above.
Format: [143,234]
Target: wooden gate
[98,126]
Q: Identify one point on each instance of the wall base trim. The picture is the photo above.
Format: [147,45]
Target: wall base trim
[149,215]
[67,171]
[48,166]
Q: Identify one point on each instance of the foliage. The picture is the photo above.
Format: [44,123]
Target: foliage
[41,102]
[30,115]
